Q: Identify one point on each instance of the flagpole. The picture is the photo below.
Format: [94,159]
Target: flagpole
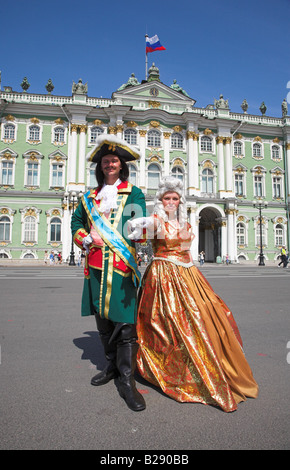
[146,59]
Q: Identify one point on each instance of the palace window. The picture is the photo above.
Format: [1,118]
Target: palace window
[241,234]
[176,141]
[277,187]
[279,235]
[57,175]
[5,229]
[206,144]
[34,133]
[92,176]
[130,135]
[257,150]
[32,174]
[258,186]
[9,132]
[153,176]
[207,178]
[177,172]
[59,134]
[275,152]
[239,184]
[258,235]
[55,229]
[29,229]
[6,173]
[132,174]
[154,139]
[95,132]
[238,148]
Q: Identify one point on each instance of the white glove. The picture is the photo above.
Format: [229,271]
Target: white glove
[86,242]
[137,225]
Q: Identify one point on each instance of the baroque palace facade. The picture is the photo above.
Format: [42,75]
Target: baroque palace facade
[226,160]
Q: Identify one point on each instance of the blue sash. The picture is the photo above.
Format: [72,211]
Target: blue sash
[110,237]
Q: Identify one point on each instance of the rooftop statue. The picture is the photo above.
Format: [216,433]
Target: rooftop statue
[80,88]
[221,103]
[131,82]
[177,87]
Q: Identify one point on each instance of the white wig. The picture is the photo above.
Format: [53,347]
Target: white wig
[170,184]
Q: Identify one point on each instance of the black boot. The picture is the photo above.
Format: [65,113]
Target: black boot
[127,348]
[106,329]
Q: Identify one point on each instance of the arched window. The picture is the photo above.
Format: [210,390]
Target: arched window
[207,181]
[9,131]
[257,150]
[279,235]
[153,139]
[130,135]
[59,134]
[241,234]
[238,148]
[55,229]
[95,132]
[132,174]
[153,176]
[177,172]
[176,141]
[206,144]
[275,152]
[34,133]
[29,229]
[5,229]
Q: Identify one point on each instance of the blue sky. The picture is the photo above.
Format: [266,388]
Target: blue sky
[240,49]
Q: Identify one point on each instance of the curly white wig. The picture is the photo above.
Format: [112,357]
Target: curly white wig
[170,184]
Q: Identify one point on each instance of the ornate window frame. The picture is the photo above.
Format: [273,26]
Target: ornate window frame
[54,212]
[57,158]
[29,211]
[9,213]
[7,155]
[34,122]
[32,157]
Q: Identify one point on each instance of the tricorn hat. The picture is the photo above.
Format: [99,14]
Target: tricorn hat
[109,144]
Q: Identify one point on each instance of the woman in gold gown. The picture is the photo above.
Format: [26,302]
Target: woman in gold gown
[189,343]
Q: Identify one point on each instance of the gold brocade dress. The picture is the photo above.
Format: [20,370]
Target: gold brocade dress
[190,345]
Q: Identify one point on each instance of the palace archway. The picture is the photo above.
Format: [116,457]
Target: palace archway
[210,233]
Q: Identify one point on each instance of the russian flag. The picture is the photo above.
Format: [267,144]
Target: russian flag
[153,44]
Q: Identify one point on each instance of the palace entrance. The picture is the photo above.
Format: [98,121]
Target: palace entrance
[210,234]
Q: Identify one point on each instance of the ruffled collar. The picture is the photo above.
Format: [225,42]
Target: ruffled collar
[108,196]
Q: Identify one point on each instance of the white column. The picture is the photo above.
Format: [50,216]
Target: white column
[142,167]
[82,154]
[166,137]
[231,234]
[72,158]
[224,235]
[192,166]
[221,166]
[66,232]
[229,165]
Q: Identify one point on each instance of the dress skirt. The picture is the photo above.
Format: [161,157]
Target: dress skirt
[190,345]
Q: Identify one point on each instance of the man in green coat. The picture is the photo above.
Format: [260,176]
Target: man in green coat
[100,226]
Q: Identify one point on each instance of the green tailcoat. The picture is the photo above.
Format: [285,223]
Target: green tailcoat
[110,284]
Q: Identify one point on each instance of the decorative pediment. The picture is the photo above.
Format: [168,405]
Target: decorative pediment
[152,94]
[58,155]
